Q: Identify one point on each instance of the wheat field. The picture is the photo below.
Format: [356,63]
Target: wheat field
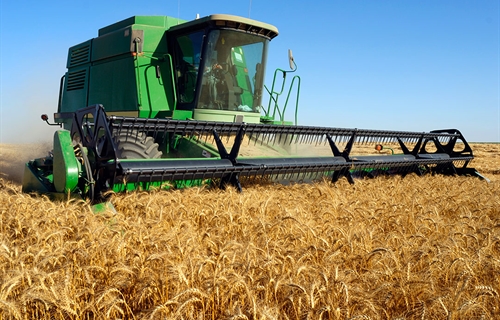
[386,248]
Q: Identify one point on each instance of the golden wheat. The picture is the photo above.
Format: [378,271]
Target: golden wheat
[388,248]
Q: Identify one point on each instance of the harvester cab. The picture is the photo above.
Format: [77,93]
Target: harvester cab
[148,102]
[159,67]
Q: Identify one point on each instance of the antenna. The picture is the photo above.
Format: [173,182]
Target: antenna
[249,8]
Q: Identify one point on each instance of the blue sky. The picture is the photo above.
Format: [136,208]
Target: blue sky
[399,65]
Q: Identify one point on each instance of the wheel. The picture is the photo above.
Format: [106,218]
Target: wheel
[136,145]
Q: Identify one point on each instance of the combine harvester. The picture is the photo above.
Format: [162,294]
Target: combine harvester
[166,97]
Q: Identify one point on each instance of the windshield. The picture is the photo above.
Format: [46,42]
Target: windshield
[232,67]
[187,53]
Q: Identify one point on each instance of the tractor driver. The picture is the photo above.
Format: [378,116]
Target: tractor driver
[219,85]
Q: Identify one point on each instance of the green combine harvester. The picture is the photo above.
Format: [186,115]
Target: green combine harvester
[156,101]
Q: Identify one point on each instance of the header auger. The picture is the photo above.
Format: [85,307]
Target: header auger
[167,98]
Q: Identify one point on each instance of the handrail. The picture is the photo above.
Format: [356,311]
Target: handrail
[174,90]
[297,100]
[274,95]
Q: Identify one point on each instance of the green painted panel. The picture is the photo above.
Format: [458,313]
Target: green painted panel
[75,89]
[146,76]
[74,94]
[79,54]
[120,38]
[242,77]
[116,43]
[144,92]
[66,166]
[107,83]
[158,21]
[154,83]
[182,114]
[104,207]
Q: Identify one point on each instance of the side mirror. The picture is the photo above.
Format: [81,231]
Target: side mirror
[46,119]
[290,60]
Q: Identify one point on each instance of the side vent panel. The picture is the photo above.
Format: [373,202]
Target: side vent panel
[79,55]
[75,89]
[76,80]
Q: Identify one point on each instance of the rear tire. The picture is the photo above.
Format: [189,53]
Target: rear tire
[136,145]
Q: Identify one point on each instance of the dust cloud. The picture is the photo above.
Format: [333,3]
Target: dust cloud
[14,156]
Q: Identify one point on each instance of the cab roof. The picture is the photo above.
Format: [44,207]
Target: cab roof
[233,22]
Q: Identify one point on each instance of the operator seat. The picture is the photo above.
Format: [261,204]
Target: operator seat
[234,91]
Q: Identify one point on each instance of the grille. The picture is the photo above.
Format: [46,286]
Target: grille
[79,56]
[76,80]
